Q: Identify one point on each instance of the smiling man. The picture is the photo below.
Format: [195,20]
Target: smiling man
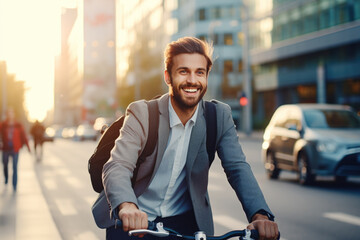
[171,184]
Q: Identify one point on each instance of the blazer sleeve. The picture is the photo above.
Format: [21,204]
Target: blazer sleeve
[238,171]
[118,171]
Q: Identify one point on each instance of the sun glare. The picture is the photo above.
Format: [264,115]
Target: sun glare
[30,39]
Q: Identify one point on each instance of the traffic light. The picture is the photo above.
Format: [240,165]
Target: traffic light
[243,100]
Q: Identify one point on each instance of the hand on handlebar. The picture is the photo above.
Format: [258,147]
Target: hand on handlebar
[132,218]
[268,230]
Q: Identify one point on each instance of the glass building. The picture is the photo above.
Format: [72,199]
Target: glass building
[218,22]
[304,51]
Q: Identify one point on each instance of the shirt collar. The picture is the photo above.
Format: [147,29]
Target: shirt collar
[175,120]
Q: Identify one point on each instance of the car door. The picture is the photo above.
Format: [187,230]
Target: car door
[287,135]
[292,126]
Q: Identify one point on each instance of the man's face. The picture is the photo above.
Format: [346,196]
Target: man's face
[11,114]
[188,80]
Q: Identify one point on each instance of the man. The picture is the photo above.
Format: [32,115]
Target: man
[37,131]
[13,138]
[171,184]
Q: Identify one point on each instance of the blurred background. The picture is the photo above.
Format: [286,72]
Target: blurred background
[69,62]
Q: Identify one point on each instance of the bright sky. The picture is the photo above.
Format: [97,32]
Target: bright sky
[29,40]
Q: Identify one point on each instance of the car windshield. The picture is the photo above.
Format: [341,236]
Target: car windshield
[316,118]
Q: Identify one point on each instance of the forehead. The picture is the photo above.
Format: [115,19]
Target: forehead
[189,60]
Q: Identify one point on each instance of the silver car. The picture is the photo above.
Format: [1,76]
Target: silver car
[313,140]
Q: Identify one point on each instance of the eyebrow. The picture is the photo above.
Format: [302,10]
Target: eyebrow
[186,68]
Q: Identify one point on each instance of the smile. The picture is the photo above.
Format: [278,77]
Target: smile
[190,90]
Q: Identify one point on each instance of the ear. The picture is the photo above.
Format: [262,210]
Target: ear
[167,78]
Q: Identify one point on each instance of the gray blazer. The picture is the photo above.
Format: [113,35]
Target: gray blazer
[117,172]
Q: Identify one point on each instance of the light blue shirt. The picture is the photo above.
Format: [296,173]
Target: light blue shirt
[167,194]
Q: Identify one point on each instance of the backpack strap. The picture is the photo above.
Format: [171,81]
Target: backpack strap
[151,141]
[211,130]
[153,128]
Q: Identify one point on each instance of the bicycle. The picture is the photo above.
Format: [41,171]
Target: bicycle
[157,229]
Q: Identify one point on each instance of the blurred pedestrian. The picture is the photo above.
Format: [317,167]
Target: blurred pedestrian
[13,138]
[37,131]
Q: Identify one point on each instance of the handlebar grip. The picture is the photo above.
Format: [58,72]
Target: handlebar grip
[151,225]
[254,234]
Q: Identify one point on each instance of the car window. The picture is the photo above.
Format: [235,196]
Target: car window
[331,119]
[288,118]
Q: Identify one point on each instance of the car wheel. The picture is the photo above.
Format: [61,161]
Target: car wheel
[272,170]
[304,172]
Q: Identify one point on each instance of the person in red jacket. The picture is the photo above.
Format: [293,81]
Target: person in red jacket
[13,138]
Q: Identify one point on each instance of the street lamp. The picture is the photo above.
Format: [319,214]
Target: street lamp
[246,70]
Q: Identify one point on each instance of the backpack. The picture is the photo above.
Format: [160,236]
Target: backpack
[107,141]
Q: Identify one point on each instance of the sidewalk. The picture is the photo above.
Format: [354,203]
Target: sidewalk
[25,214]
[255,135]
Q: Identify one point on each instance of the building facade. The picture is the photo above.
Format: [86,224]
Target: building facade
[85,82]
[304,51]
[220,23]
[142,34]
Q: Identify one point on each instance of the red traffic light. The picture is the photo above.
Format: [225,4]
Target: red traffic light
[243,101]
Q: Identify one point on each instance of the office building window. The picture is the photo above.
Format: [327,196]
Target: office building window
[310,16]
[228,66]
[216,13]
[240,66]
[202,15]
[228,39]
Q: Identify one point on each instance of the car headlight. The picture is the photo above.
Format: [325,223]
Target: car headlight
[327,146]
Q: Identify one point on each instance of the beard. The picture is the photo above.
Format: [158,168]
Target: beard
[186,103]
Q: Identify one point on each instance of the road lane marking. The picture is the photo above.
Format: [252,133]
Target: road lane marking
[66,207]
[74,182]
[63,171]
[86,236]
[343,217]
[54,162]
[50,184]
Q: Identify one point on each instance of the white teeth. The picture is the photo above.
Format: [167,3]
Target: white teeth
[190,90]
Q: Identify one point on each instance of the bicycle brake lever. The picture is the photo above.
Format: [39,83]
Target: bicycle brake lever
[249,235]
[160,231]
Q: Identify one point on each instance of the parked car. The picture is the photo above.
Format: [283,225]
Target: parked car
[313,140]
[49,134]
[102,123]
[85,132]
[69,133]
[52,132]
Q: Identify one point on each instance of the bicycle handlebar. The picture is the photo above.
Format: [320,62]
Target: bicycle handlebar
[157,229]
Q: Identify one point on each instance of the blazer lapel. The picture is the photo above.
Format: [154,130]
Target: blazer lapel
[164,129]
[196,138]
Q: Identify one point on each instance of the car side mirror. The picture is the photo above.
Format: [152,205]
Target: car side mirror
[292,127]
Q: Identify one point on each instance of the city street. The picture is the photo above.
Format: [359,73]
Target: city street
[323,211]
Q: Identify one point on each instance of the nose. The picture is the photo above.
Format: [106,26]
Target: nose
[191,78]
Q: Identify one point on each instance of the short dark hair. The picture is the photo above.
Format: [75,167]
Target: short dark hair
[188,45]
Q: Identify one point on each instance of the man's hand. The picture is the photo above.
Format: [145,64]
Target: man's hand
[132,218]
[268,230]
